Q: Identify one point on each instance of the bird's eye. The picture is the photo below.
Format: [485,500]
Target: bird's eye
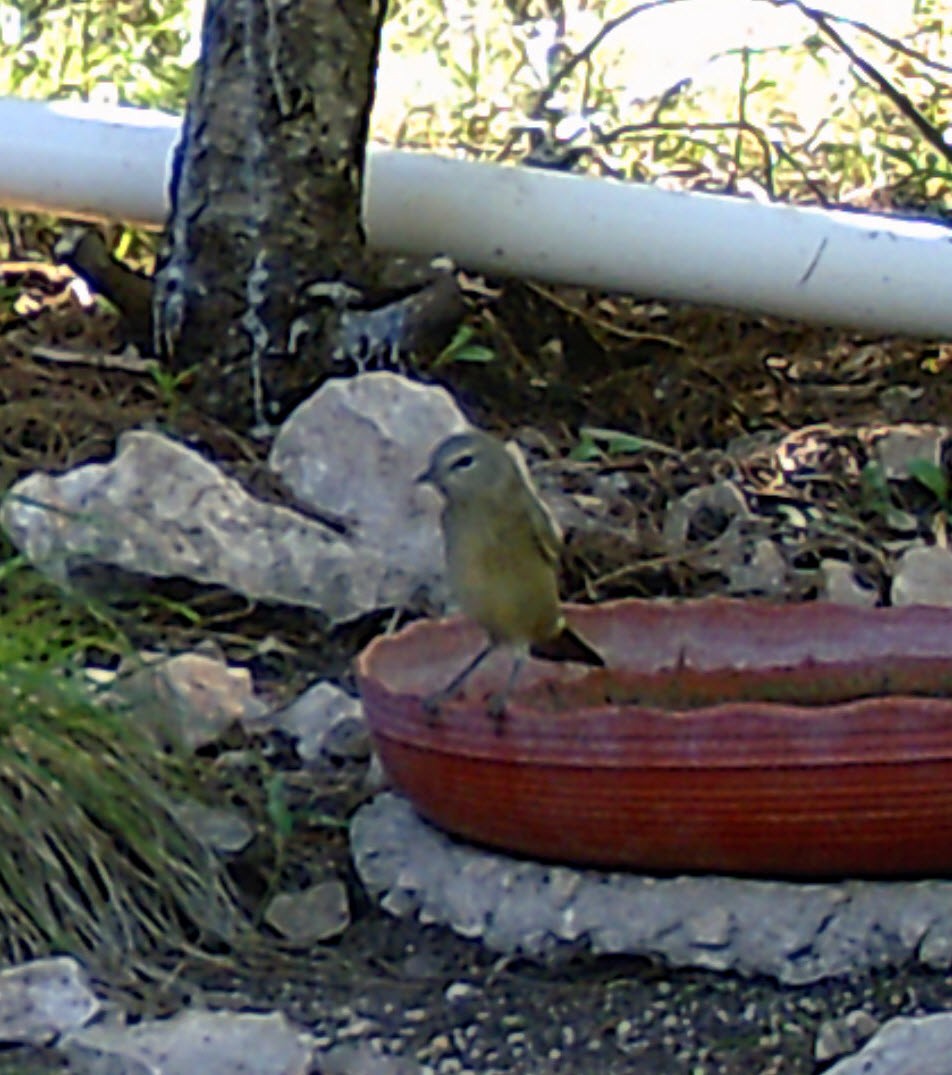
[462,462]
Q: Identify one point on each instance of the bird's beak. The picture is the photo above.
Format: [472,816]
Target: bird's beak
[426,478]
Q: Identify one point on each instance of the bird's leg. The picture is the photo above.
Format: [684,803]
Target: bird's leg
[497,703]
[433,702]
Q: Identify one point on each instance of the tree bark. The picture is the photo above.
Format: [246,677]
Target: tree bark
[265,202]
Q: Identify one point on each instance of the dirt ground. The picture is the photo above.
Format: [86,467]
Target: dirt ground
[786,410]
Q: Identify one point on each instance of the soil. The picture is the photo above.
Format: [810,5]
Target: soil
[692,380]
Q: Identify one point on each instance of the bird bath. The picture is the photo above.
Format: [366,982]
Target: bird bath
[730,736]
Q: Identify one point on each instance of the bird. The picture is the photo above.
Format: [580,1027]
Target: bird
[502,549]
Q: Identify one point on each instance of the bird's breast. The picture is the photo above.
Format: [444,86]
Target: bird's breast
[502,580]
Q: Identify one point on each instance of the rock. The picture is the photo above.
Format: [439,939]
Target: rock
[199,696]
[355,449]
[223,830]
[715,525]
[794,932]
[722,502]
[901,445]
[213,1043]
[375,779]
[837,1037]
[352,452]
[914,921]
[326,720]
[923,577]
[460,992]
[314,914]
[711,927]
[43,999]
[761,571]
[935,949]
[363,1059]
[903,1047]
[840,584]
[162,509]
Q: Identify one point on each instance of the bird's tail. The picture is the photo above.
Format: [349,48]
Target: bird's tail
[567,646]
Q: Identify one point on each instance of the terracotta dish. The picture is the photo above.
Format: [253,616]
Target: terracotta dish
[728,736]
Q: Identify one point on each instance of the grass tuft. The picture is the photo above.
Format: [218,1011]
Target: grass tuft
[93,860]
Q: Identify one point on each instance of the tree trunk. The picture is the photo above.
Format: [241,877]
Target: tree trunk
[265,202]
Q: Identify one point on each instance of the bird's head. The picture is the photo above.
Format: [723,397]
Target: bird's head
[468,466]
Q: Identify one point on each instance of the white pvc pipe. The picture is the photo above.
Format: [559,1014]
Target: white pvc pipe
[873,272]
[88,161]
[876,273]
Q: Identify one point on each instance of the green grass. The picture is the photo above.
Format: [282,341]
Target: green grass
[92,859]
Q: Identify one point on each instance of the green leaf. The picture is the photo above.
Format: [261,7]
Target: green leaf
[586,450]
[475,353]
[932,476]
[460,349]
[616,442]
[873,482]
[281,817]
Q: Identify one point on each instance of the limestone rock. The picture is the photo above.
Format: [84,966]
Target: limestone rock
[352,453]
[315,914]
[904,1047]
[791,931]
[214,1043]
[43,999]
[326,720]
[923,577]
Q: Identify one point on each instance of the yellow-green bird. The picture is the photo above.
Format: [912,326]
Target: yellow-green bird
[502,557]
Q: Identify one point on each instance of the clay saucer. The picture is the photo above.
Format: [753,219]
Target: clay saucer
[730,736]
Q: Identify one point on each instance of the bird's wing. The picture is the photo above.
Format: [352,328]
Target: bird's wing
[545,530]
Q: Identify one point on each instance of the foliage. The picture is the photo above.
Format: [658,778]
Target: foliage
[103,869]
[121,51]
[824,109]
[462,348]
[810,108]
[596,443]
[110,51]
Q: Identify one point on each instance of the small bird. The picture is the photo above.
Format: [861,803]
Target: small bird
[502,556]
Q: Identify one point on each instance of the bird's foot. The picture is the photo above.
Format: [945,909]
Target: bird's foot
[497,711]
[433,707]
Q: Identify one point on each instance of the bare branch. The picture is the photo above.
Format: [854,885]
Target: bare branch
[822,20]
[894,43]
[586,51]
